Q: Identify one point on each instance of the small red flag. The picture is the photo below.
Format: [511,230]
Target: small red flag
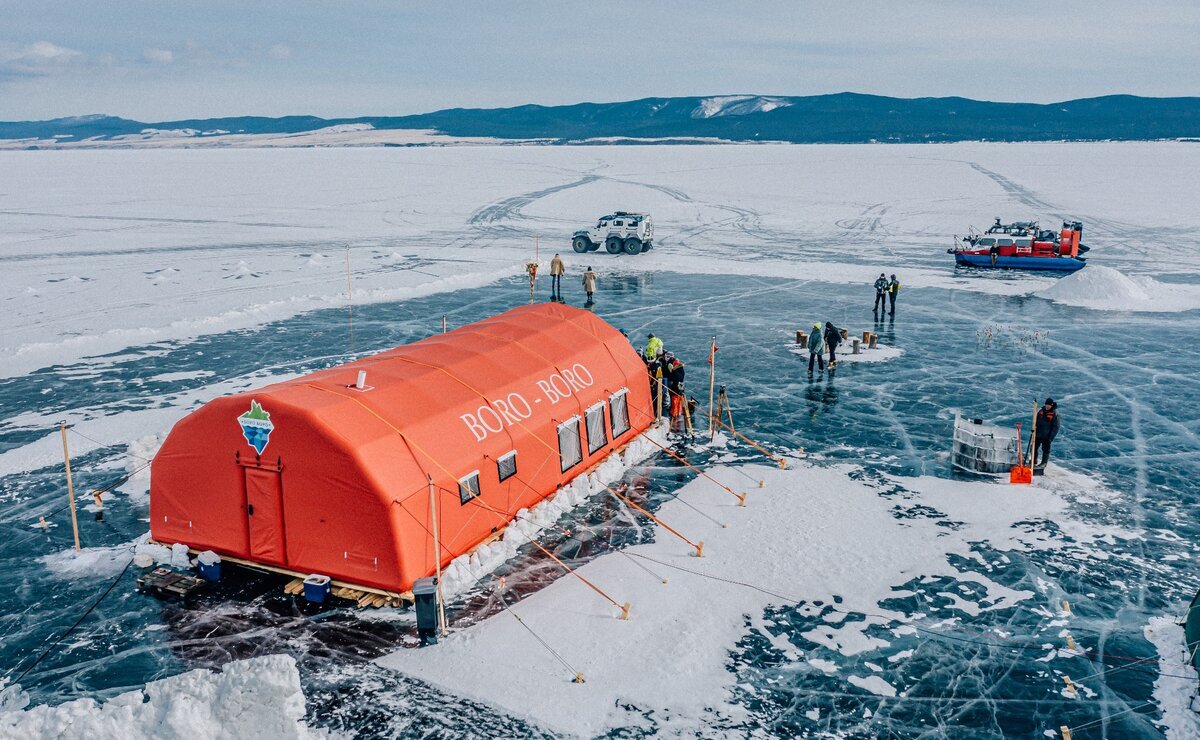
[712,353]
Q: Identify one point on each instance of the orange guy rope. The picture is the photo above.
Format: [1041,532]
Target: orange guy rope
[699,547]
[623,607]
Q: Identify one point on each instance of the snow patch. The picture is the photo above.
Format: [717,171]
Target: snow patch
[1178,699]
[851,544]
[738,105]
[257,697]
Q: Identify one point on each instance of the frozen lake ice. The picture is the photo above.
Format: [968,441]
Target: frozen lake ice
[140,284]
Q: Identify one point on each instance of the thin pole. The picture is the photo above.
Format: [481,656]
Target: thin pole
[712,379]
[350,298]
[437,556]
[62,425]
[443,323]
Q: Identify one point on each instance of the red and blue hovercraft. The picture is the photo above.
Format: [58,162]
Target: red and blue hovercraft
[1023,246]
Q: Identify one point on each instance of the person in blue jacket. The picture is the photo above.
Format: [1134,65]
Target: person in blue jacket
[816,348]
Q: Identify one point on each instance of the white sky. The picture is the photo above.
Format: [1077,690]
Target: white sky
[169,60]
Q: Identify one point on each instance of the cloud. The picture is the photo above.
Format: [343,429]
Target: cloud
[38,58]
[158,56]
[279,51]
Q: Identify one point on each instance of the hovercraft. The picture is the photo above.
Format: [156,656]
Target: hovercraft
[1023,245]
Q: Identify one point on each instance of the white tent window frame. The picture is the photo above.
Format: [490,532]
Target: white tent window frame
[468,487]
[618,412]
[597,435]
[570,444]
[506,465]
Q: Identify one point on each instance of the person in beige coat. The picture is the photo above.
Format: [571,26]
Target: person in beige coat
[589,283]
[557,270]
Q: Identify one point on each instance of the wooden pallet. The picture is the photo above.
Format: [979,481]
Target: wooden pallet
[166,583]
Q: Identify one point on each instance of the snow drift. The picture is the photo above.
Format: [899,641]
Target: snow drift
[257,697]
[1105,289]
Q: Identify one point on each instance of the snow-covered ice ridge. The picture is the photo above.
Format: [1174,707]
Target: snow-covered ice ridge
[252,698]
[668,661]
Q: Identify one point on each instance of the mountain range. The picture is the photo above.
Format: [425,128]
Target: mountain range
[837,118]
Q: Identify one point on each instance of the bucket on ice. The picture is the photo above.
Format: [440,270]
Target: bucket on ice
[208,563]
[316,588]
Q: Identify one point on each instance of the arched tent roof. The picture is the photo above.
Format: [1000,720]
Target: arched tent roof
[314,475]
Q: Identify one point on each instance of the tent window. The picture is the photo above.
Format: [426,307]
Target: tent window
[570,447]
[595,428]
[506,466]
[618,410]
[468,487]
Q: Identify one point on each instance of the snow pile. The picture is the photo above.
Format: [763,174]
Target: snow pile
[466,570]
[1105,289]
[1178,699]
[258,697]
[812,533]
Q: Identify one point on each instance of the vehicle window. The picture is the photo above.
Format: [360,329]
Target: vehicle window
[986,242]
[618,223]
[1023,242]
[1004,242]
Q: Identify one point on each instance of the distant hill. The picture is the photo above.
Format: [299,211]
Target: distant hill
[840,118]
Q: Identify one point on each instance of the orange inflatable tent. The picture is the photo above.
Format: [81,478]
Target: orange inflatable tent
[317,475]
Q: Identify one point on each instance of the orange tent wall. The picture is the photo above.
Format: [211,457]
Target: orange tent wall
[342,486]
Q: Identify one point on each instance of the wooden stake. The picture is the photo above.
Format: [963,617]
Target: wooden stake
[62,425]
[712,379]
[1066,732]
[658,375]
[437,555]
[350,298]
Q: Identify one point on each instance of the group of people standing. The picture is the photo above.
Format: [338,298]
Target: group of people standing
[558,268]
[885,293]
[822,339]
[667,370]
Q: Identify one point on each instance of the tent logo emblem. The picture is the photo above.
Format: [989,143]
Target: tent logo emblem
[256,426]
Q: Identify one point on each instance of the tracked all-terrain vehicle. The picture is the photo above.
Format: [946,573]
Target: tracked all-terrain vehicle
[630,233]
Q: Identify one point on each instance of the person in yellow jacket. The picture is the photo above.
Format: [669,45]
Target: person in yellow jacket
[654,348]
[892,289]
[557,270]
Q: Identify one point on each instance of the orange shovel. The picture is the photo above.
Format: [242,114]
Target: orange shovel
[1019,473]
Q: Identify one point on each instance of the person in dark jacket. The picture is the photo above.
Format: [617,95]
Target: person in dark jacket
[881,284]
[833,337]
[1047,429]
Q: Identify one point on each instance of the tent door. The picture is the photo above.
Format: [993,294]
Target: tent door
[264,514]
